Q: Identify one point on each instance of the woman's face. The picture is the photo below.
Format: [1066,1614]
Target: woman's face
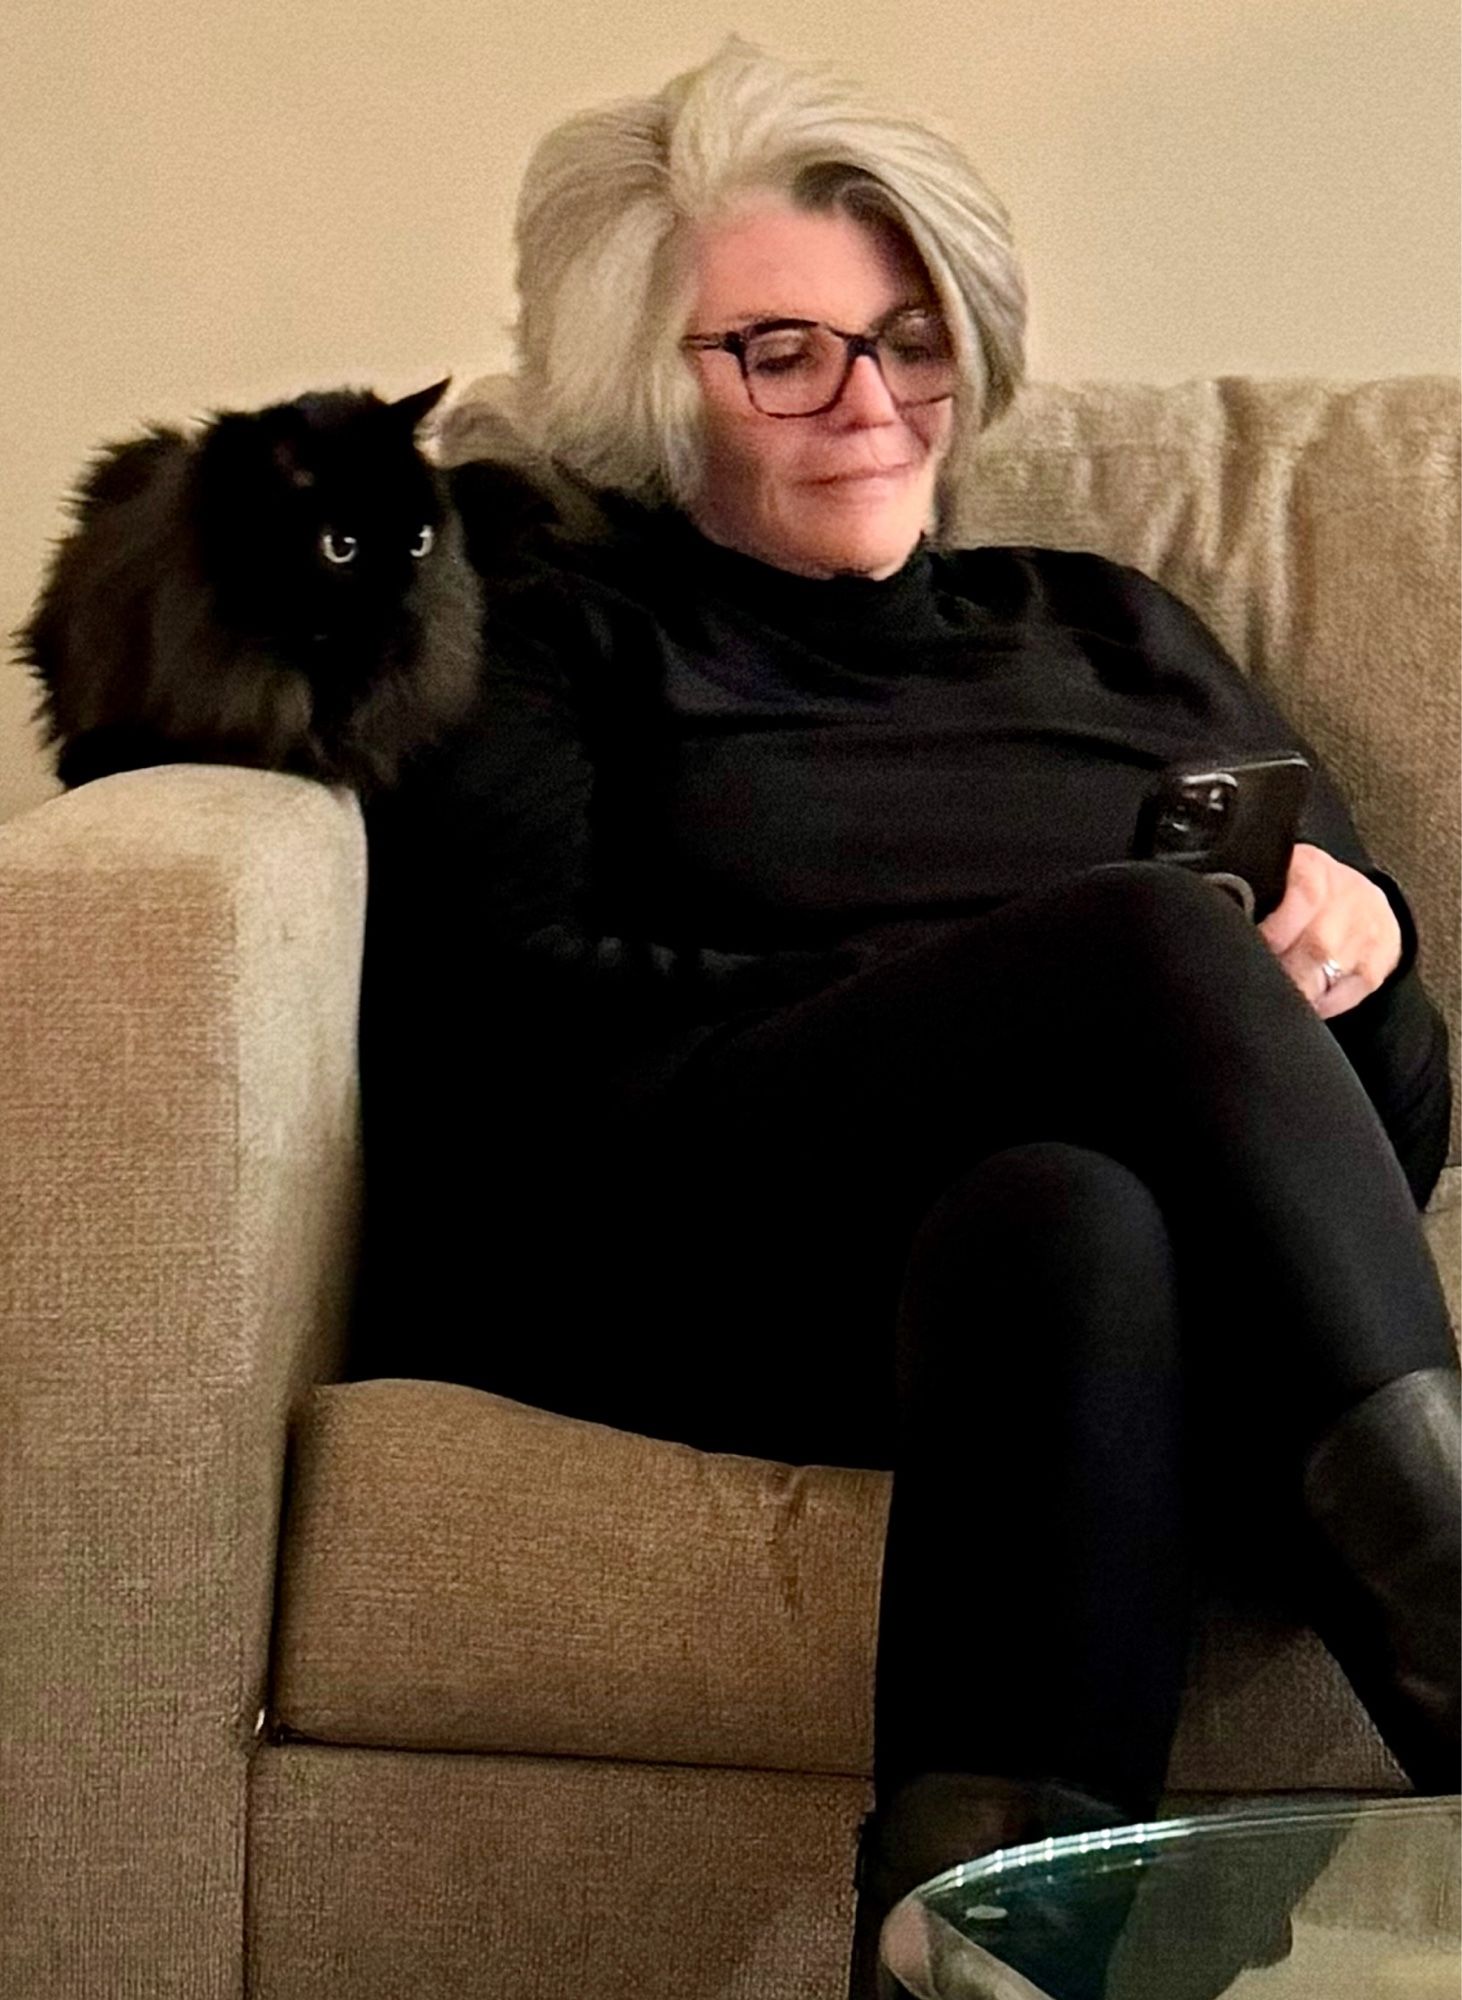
[848,490]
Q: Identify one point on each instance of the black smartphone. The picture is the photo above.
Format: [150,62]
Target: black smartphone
[1233,822]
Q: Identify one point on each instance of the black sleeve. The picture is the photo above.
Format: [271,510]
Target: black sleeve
[1395,1039]
[1242,714]
[499,1024]
[483,866]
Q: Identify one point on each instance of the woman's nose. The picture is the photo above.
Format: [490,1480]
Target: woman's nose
[865,394]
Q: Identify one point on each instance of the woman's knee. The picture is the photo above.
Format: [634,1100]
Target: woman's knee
[1148,911]
[1127,949]
[1044,1220]
[1046,1270]
[1158,957]
[1157,893]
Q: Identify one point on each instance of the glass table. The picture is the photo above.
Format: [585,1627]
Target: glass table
[1324,1898]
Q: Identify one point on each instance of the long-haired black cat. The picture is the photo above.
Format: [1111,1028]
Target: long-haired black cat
[289,589]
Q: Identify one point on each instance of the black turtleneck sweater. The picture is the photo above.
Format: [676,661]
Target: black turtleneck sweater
[684,760]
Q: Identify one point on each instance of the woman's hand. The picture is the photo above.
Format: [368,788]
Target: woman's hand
[1332,912]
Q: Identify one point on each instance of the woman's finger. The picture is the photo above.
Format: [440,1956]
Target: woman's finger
[1304,896]
[1334,933]
[1332,975]
[1343,995]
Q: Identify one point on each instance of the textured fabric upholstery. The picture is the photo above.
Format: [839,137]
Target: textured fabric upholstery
[552,1709]
[388,1875]
[513,1588]
[179,971]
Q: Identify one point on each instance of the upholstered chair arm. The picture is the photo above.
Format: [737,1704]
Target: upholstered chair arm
[179,1163]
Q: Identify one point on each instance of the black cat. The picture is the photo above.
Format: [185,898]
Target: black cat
[288,589]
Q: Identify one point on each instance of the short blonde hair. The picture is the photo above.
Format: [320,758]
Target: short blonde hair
[603,289]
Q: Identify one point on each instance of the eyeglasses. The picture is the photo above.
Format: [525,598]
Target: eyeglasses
[800,367]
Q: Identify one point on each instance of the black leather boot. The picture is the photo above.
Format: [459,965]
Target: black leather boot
[1384,1490]
[936,1821]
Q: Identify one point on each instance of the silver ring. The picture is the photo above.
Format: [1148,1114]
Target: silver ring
[1333,973]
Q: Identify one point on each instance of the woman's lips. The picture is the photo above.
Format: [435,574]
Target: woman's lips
[861,473]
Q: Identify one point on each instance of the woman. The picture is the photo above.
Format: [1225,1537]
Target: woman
[837,1090]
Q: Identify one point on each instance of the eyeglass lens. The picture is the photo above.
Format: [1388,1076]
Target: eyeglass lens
[794,371]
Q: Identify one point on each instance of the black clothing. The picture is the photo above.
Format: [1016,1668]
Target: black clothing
[1224,1256]
[688,770]
[631,1157]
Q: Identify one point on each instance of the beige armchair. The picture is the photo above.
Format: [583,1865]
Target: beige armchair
[395,1688]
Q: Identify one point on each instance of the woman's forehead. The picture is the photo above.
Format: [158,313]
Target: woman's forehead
[766,259]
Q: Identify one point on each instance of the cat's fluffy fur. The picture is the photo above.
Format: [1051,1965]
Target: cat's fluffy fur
[193,614]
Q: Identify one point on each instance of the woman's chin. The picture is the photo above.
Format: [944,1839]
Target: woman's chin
[820,528]
[869,548]
[866,525]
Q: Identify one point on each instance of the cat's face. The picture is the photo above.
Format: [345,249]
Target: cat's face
[316,518]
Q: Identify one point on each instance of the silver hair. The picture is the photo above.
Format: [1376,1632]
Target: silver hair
[604,287]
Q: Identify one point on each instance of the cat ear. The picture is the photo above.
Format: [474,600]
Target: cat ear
[415,409]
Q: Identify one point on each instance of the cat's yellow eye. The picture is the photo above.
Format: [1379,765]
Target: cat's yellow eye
[422,546]
[337,548]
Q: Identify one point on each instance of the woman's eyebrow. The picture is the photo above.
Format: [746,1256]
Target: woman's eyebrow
[744,322]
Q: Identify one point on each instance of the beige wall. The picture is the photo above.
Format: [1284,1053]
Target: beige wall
[205,206]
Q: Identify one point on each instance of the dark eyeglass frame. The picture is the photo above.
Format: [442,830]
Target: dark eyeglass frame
[856,344]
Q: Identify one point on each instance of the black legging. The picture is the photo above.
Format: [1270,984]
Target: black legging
[1142,1236]
[1139,1232]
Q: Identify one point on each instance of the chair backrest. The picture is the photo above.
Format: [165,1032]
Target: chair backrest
[1313,525]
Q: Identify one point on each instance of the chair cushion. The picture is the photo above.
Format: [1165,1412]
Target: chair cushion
[462,1572]
[376,1875]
